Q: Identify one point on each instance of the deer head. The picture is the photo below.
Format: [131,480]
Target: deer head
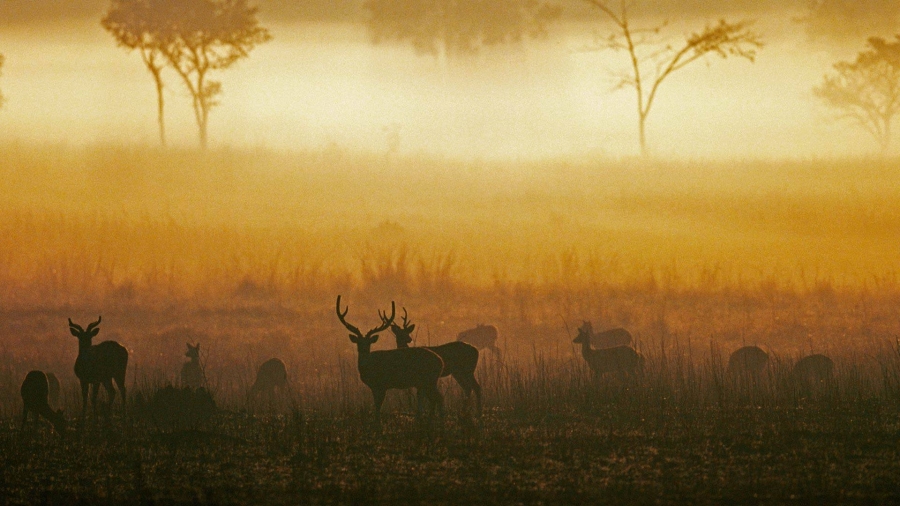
[402,334]
[193,351]
[364,342]
[584,333]
[84,335]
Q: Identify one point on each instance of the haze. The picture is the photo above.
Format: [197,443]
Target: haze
[321,84]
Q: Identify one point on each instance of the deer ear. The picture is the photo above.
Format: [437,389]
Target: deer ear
[354,339]
[411,328]
[375,338]
[73,331]
[95,332]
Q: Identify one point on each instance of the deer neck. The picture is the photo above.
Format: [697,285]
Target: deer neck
[586,349]
[84,345]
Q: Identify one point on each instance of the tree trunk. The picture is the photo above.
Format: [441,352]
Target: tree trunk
[642,132]
[160,108]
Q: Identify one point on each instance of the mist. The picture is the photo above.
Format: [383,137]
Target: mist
[324,84]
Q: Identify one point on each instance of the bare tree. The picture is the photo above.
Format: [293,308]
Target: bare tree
[205,36]
[453,28]
[141,25]
[867,90]
[652,60]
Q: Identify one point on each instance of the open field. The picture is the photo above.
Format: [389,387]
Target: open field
[245,252]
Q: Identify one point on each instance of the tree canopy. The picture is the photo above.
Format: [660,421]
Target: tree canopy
[866,91]
[454,28]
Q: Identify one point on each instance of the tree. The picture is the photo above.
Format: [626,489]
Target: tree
[453,28]
[867,90]
[204,36]
[2,99]
[652,60]
[140,25]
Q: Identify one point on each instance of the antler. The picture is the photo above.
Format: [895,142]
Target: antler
[341,316]
[385,323]
[93,325]
[75,326]
[405,320]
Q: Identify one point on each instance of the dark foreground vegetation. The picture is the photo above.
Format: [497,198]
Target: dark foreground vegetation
[684,431]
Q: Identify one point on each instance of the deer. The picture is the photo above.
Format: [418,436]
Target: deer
[619,359]
[53,390]
[482,336]
[98,364]
[271,375]
[192,375]
[460,359]
[813,369]
[748,361]
[608,338]
[34,392]
[402,368]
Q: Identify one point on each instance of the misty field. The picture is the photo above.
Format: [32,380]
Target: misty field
[246,250]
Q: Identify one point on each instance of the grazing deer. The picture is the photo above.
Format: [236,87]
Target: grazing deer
[608,338]
[620,359]
[748,361]
[98,364]
[813,369]
[53,391]
[481,337]
[271,375]
[192,375]
[460,359]
[34,392]
[402,368]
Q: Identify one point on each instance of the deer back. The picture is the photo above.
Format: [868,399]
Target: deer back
[458,357]
[814,368]
[400,368]
[100,362]
[617,359]
[482,336]
[612,338]
[748,360]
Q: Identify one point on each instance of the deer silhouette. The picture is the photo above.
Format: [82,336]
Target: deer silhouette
[460,359]
[608,338]
[748,361]
[98,364]
[481,337]
[271,375]
[619,359]
[813,370]
[192,375]
[34,392]
[403,368]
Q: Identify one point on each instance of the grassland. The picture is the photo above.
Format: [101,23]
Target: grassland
[245,251]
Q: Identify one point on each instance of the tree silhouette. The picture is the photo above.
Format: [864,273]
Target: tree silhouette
[867,90]
[652,60]
[141,25]
[204,36]
[2,99]
[453,28]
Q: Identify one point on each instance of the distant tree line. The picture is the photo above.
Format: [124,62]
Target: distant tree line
[196,39]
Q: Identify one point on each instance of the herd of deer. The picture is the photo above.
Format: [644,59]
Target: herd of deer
[382,370]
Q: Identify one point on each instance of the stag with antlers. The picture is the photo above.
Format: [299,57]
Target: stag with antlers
[404,368]
[460,359]
[98,364]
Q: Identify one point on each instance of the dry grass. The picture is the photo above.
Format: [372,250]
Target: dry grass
[245,252]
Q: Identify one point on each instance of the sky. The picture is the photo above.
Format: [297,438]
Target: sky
[321,83]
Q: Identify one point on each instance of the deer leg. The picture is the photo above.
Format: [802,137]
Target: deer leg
[94,392]
[84,399]
[24,417]
[378,395]
[120,382]
[436,399]
[110,394]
